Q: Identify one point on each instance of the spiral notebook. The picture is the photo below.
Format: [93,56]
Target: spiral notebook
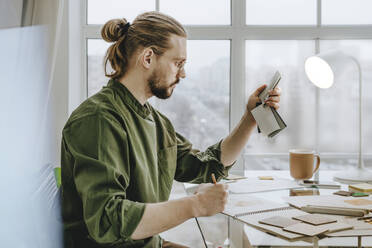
[239,205]
[251,209]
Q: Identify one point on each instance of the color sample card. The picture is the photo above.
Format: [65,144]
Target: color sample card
[359,202]
[265,119]
[315,219]
[306,229]
[342,193]
[359,194]
[299,192]
[336,227]
[279,221]
[265,178]
[363,187]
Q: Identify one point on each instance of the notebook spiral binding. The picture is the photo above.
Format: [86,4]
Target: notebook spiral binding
[264,211]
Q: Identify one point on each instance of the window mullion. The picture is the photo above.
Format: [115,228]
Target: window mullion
[84,48]
[157,5]
[317,90]
[237,71]
[263,32]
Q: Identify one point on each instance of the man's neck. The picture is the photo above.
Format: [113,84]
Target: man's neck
[137,85]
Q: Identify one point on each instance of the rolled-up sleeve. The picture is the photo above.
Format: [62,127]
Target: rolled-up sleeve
[197,167]
[101,174]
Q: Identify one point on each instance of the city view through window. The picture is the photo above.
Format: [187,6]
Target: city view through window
[199,106]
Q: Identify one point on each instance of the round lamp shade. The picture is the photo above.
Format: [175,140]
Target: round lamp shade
[322,68]
[319,72]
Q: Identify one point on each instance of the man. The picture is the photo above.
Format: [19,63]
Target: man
[120,155]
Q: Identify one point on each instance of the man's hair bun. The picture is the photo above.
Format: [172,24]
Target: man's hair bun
[111,31]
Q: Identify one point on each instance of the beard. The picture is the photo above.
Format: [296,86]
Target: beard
[156,87]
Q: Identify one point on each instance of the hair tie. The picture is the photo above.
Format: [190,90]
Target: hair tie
[124,28]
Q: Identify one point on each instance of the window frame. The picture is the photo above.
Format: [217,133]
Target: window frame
[238,32]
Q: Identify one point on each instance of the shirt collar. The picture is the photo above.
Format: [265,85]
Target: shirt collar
[128,98]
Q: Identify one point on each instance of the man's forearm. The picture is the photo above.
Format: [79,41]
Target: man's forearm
[234,143]
[159,217]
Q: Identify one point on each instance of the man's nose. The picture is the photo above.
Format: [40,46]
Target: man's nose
[182,73]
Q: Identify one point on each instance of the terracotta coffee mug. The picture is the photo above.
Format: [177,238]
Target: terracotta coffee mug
[301,163]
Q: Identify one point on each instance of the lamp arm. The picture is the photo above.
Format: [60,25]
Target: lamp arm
[360,157]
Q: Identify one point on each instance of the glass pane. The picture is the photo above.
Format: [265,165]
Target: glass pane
[339,116]
[199,106]
[281,12]
[100,11]
[346,12]
[96,76]
[297,106]
[195,12]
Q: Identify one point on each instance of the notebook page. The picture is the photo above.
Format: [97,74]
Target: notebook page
[242,204]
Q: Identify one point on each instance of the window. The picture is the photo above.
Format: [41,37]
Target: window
[99,12]
[237,45]
[343,101]
[96,49]
[199,106]
[263,58]
[188,14]
[281,12]
[346,12]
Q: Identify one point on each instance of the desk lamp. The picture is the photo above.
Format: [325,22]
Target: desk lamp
[322,69]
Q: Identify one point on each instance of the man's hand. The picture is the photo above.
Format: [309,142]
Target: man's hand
[210,199]
[234,143]
[272,101]
[158,217]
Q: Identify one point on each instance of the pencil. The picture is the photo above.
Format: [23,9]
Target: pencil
[214,179]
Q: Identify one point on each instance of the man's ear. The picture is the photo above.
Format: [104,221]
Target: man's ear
[148,57]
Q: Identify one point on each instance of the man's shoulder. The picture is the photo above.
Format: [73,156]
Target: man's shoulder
[98,106]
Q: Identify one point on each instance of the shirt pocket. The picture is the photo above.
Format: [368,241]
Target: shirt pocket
[167,164]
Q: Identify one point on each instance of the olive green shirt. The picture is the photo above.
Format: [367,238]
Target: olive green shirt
[118,155]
